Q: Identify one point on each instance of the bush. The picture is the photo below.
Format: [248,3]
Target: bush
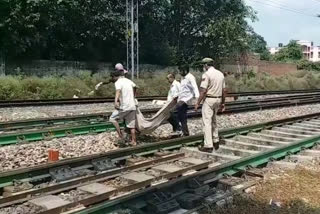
[309,66]
[263,81]
[155,84]
[10,88]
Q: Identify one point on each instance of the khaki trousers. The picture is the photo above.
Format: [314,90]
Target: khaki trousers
[210,108]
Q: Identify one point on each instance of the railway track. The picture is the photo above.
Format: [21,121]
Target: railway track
[45,129]
[45,102]
[234,106]
[159,177]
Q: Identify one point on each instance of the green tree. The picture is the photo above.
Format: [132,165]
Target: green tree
[61,29]
[206,27]
[290,53]
[257,44]
[171,32]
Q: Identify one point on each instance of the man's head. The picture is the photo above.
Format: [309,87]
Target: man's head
[184,70]
[115,75]
[119,67]
[171,78]
[207,63]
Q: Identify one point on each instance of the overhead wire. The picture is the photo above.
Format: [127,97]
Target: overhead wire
[277,5]
[280,6]
[286,5]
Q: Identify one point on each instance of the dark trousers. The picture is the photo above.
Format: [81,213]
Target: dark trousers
[180,117]
[173,120]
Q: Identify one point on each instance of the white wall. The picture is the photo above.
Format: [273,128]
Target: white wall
[316,55]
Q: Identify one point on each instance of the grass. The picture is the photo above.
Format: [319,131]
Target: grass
[297,191]
[55,87]
[262,81]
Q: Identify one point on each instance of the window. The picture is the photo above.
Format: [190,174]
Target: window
[311,55]
[319,55]
[304,48]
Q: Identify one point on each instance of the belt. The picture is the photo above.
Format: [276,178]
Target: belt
[214,96]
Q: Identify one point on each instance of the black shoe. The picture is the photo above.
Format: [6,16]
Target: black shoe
[222,141]
[185,135]
[216,146]
[204,149]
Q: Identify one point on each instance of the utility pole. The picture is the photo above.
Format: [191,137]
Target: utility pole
[2,64]
[132,22]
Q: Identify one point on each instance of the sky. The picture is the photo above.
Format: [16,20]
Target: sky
[280,25]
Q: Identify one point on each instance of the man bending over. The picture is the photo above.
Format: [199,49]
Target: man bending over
[125,104]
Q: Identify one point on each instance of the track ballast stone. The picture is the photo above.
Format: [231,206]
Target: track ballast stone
[34,112]
[31,154]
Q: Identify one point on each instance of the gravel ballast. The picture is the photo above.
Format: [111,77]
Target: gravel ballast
[27,155]
[31,112]
[23,113]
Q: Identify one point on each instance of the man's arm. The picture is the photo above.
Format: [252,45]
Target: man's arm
[195,87]
[116,99]
[224,94]
[135,91]
[177,90]
[174,91]
[203,93]
[102,83]
[203,90]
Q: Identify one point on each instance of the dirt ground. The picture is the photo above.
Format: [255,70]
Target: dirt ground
[285,192]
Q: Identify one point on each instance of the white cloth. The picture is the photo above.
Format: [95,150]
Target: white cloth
[186,91]
[174,90]
[127,100]
[193,81]
[148,125]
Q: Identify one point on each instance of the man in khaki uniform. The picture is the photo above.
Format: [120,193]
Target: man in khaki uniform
[212,94]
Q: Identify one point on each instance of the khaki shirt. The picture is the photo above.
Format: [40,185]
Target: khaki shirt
[213,81]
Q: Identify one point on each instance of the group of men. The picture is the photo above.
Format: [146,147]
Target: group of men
[185,93]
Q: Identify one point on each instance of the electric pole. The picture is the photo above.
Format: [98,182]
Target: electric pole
[132,20]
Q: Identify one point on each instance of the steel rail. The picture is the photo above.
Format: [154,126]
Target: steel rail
[262,93]
[7,178]
[44,102]
[291,97]
[89,118]
[207,176]
[99,127]
[72,184]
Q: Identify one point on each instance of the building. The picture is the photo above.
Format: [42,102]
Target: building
[310,52]
[274,50]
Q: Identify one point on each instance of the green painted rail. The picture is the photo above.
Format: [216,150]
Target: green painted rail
[96,124]
[207,176]
[43,122]
[6,178]
[234,106]
[49,133]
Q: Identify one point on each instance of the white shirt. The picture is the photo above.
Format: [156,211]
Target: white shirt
[174,90]
[127,101]
[186,91]
[193,81]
